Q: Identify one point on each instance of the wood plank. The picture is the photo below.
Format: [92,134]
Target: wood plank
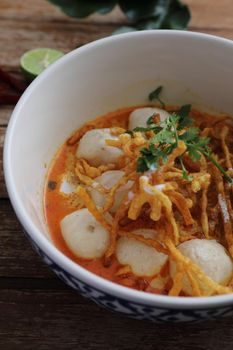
[29,35]
[64,320]
[3,192]
[210,15]
[5,113]
[55,35]
[17,257]
[29,9]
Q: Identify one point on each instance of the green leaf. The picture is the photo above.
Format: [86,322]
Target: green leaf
[154,95]
[178,16]
[183,114]
[141,165]
[145,151]
[84,8]
[151,162]
[168,15]
[167,135]
[142,129]
[194,153]
[150,121]
[147,14]
[152,127]
[190,135]
[186,176]
[184,111]
[184,170]
[138,10]
[164,136]
[202,142]
[129,132]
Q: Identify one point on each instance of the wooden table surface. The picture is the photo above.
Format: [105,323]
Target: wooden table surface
[37,311]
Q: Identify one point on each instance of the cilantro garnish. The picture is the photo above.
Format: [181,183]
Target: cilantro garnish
[155,95]
[167,133]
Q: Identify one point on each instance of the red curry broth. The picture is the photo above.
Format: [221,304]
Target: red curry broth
[58,205]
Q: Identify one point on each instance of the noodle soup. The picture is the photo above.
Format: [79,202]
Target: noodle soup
[143,197]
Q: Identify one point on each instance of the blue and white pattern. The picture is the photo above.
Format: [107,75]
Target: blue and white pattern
[132,309]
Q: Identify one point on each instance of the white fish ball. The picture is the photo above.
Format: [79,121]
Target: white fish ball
[84,236]
[143,260]
[140,116]
[108,180]
[211,257]
[94,149]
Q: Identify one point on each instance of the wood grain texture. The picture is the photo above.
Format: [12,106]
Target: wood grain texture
[5,113]
[37,21]
[3,192]
[55,316]
[37,311]
[17,258]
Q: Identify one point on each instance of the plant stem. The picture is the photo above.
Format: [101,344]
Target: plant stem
[161,102]
[220,168]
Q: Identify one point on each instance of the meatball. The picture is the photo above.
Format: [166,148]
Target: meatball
[108,180]
[94,149]
[211,257]
[140,116]
[143,260]
[84,236]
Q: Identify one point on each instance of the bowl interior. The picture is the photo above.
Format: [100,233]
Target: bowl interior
[101,77]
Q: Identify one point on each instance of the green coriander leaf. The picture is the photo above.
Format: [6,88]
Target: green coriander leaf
[194,153]
[184,111]
[151,127]
[141,165]
[150,121]
[183,114]
[164,136]
[162,153]
[129,132]
[170,121]
[190,135]
[151,163]
[167,135]
[142,129]
[152,149]
[155,95]
[202,142]
[184,170]
[220,168]
[145,151]
[186,176]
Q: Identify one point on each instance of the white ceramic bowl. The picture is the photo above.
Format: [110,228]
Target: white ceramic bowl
[100,77]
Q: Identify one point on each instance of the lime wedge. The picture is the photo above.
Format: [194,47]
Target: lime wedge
[35,61]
